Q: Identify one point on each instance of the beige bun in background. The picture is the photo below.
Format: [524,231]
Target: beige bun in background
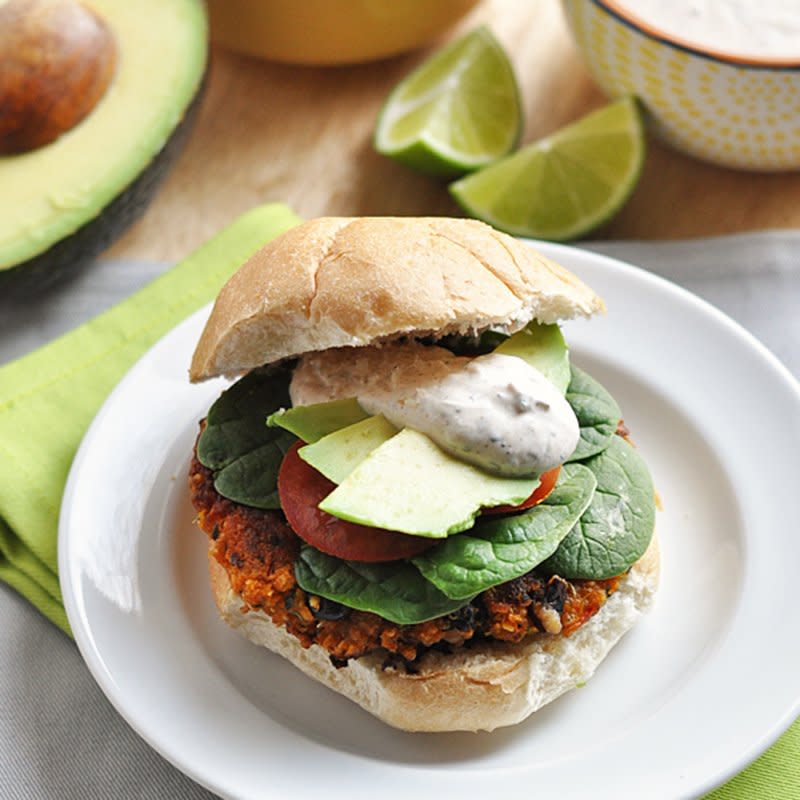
[484,687]
[349,282]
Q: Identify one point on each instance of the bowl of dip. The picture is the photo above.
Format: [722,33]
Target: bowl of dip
[330,32]
[720,78]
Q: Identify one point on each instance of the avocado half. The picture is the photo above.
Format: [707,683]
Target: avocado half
[65,202]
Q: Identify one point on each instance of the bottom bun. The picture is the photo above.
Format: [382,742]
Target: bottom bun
[483,687]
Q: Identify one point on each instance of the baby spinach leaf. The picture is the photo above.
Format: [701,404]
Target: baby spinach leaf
[393,590]
[501,549]
[251,394]
[252,479]
[616,528]
[597,412]
[236,443]
[221,444]
[236,423]
[465,345]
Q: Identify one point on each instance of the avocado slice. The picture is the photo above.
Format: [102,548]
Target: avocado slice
[68,200]
[314,422]
[339,453]
[409,484]
[544,348]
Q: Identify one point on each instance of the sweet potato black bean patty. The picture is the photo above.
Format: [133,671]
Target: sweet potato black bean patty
[258,549]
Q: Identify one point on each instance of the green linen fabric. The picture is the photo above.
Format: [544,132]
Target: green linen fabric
[49,398]
[773,776]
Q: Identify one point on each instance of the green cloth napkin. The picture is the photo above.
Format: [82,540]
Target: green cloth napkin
[774,776]
[48,399]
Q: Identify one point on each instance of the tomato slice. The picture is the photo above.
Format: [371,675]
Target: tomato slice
[547,481]
[302,489]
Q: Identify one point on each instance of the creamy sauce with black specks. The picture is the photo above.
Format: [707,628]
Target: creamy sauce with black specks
[494,411]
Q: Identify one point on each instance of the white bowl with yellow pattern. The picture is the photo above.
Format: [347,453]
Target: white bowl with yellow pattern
[737,111]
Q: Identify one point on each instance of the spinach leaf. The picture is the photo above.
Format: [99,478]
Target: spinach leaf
[501,549]
[597,412]
[262,388]
[252,479]
[616,528]
[237,445]
[393,590]
[465,345]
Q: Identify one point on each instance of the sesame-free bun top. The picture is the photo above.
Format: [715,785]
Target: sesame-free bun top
[350,282]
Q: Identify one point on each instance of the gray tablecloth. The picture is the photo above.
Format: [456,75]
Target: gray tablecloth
[59,736]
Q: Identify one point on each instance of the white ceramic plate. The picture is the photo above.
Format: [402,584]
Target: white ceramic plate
[697,690]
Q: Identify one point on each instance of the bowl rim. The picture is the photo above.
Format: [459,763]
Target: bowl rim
[632,20]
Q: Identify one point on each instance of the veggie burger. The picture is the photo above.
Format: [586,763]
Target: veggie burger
[410,492]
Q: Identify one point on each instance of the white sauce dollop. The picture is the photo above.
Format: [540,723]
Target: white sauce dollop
[755,28]
[495,411]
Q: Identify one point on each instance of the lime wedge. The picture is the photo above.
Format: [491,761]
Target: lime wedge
[563,186]
[456,112]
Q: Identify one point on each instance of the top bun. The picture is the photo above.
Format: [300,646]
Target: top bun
[350,282]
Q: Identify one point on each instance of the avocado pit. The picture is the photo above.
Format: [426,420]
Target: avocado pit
[57,59]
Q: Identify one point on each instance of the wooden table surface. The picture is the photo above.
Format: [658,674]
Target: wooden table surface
[270,132]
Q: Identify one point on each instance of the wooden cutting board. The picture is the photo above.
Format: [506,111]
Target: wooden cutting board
[303,136]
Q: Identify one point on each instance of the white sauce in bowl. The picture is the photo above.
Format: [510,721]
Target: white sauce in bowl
[495,411]
[749,28]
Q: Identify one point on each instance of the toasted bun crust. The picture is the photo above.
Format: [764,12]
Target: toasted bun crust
[482,688]
[337,282]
